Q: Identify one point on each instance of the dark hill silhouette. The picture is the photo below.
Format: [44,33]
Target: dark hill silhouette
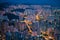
[11,16]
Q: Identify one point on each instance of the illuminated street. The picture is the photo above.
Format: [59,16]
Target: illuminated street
[30,22]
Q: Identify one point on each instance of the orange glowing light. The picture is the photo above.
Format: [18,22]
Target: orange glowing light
[37,17]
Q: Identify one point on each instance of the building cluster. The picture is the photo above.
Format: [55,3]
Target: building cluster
[29,22]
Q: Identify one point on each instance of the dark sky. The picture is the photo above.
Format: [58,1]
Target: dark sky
[40,2]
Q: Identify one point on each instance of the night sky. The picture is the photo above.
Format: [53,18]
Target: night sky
[39,2]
